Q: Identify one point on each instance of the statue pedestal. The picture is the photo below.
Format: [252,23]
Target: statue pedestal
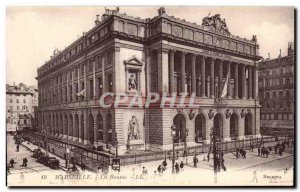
[135,144]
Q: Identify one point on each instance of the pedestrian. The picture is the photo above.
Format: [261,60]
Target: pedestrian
[195,161]
[177,168]
[144,172]
[254,177]
[275,149]
[252,147]
[181,165]
[288,143]
[237,153]
[258,150]
[280,151]
[159,169]
[165,163]
[18,147]
[7,169]
[83,167]
[12,162]
[25,162]
[208,156]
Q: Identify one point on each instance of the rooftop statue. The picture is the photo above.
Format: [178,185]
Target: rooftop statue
[215,22]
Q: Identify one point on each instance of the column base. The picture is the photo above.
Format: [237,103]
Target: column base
[241,137]
[80,140]
[60,135]
[75,138]
[85,142]
[206,141]
[64,136]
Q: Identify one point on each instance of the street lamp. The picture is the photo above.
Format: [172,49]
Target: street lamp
[173,134]
[185,144]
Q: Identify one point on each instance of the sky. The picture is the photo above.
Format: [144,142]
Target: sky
[32,33]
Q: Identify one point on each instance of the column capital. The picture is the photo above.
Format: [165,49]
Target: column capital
[193,56]
[172,51]
[204,57]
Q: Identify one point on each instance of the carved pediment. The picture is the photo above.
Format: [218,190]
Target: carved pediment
[133,63]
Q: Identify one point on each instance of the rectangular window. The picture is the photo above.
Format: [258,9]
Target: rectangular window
[109,137]
[110,82]
[100,86]
[91,89]
[17,100]
[24,100]
[10,100]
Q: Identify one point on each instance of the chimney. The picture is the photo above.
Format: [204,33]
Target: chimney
[268,55]
[97,20]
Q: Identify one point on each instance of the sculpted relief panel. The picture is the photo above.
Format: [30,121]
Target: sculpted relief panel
[233,46]
[177,31]
[132,29]
[208,39]
[247,49]
[225,44]
[188,34]
[240,48]
[199,37]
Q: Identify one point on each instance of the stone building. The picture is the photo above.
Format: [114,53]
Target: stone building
[164,54]
[20,102]
[276,93]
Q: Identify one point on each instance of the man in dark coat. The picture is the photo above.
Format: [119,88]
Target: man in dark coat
[177,168]
[258,150]
[12,162]
[195,161]
[181,165]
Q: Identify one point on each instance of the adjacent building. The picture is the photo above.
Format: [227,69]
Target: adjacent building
[20,103]
[166,55]
[276,93]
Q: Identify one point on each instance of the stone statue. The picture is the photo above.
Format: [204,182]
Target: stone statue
[215,22]
[133,129]
[161,11]
[132,82]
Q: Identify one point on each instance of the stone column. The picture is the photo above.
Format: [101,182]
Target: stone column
[70,127]
[250,87]
[94,80]
[104,89]
[203,76]
[148,71]
[85,83]
[243,74]
[220,77]
[85,127]
[163,70]
[79,127]
[74,131]
[73,85]
[212,78]
[255,83]
[182,72]
[171,71]
[226,129]
[229,75]
[95,131]
[193,74]
[78,81]
[236,81]
[68,91]
[241,128]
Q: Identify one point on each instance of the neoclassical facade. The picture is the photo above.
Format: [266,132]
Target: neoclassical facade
[165,55]
[276,93]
